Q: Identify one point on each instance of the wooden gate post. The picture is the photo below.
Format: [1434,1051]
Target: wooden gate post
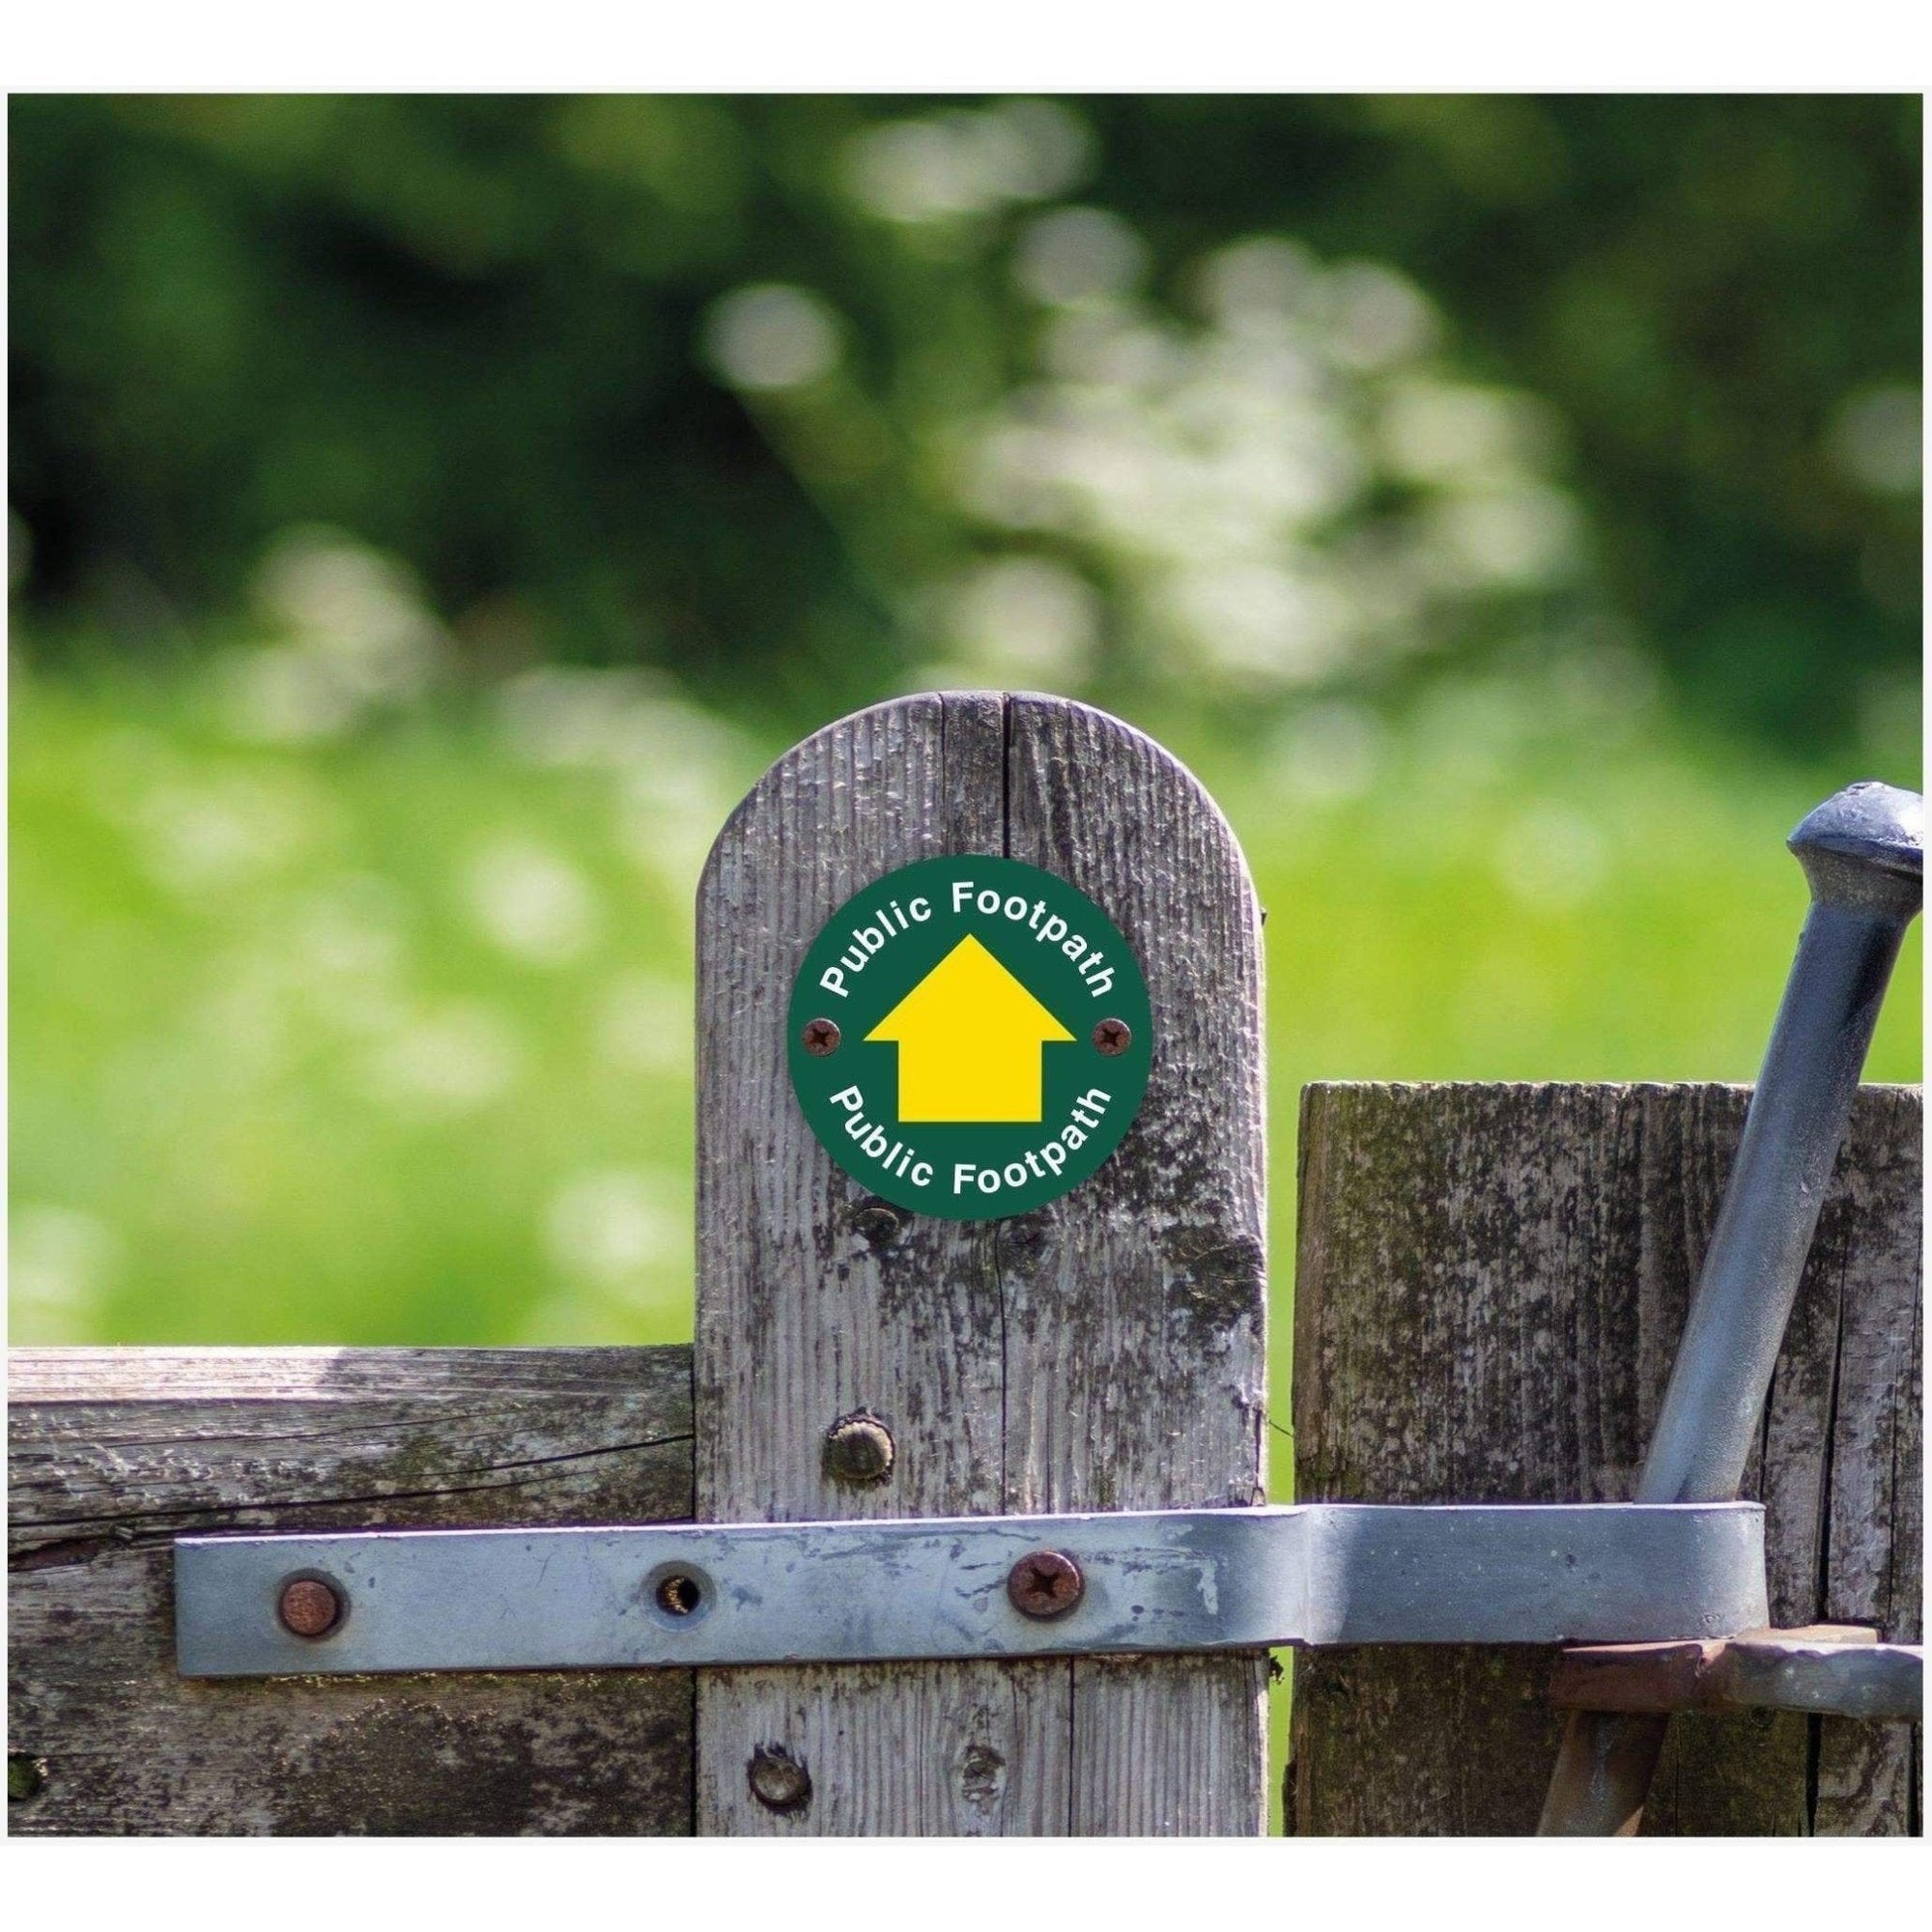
[1492,1280]
[1105,1352]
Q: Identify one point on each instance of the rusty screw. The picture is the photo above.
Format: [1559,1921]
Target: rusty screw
[821,1037]
[857,1450]
[1112,1037]
[778,1781]
[309,1608]
[1046,1584]
[679,1595]
[877,1223]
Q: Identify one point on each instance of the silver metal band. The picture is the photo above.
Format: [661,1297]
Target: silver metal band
[685,1595]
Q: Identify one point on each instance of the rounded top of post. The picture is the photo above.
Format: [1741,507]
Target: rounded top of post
[1865,844]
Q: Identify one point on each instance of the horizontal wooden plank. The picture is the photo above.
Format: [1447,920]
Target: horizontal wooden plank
[336,1374]
[112,1452]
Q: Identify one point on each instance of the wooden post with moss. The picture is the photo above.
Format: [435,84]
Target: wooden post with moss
[1105,1352]
[1492,1280]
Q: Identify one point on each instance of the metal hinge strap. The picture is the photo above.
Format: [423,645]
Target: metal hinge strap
[697,1594]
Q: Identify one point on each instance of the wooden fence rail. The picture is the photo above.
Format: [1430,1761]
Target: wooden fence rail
[113,1452]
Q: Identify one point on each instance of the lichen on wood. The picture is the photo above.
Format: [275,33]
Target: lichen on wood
[114,1452]
[1491,1285]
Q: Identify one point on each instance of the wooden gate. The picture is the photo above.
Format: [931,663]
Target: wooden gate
[1492,1280]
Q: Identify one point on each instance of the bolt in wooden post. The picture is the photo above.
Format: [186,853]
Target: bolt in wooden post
[1106,1351]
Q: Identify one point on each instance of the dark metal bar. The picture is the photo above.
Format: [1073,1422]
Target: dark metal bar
[1861,850]
[1829,1670]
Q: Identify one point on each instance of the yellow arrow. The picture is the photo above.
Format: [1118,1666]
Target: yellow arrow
[969,1037]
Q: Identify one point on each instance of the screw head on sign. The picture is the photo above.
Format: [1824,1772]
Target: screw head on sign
[857,1450]
[778,1781]
[821,1037]
[1045,1585]
[1112,1037]
[309,1608]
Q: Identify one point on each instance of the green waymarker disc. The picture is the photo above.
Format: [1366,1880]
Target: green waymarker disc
[970,1038]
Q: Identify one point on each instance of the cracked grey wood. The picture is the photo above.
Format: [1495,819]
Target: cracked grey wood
[1491,1281]
[113,1452]
[1136,1313]
[1105,1352]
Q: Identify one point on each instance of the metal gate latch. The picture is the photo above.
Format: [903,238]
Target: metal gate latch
[912,1589]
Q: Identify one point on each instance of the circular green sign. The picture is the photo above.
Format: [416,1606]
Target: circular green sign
[970,1038]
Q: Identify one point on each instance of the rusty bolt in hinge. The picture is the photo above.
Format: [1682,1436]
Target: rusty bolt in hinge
[310,1607]
[1112,1037]
[1045,1585]
[858,1449]
[820,1037]
[778,1781]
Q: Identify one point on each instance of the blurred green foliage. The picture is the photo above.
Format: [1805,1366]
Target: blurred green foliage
[389,1039]
[496,337]
[1438,474]
[430,514]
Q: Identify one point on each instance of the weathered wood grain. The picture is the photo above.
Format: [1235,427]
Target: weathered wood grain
[113,1452]
[1864,1777]
[810,1309]
[1105,1352]
[1136,1306]
[1491,1285]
